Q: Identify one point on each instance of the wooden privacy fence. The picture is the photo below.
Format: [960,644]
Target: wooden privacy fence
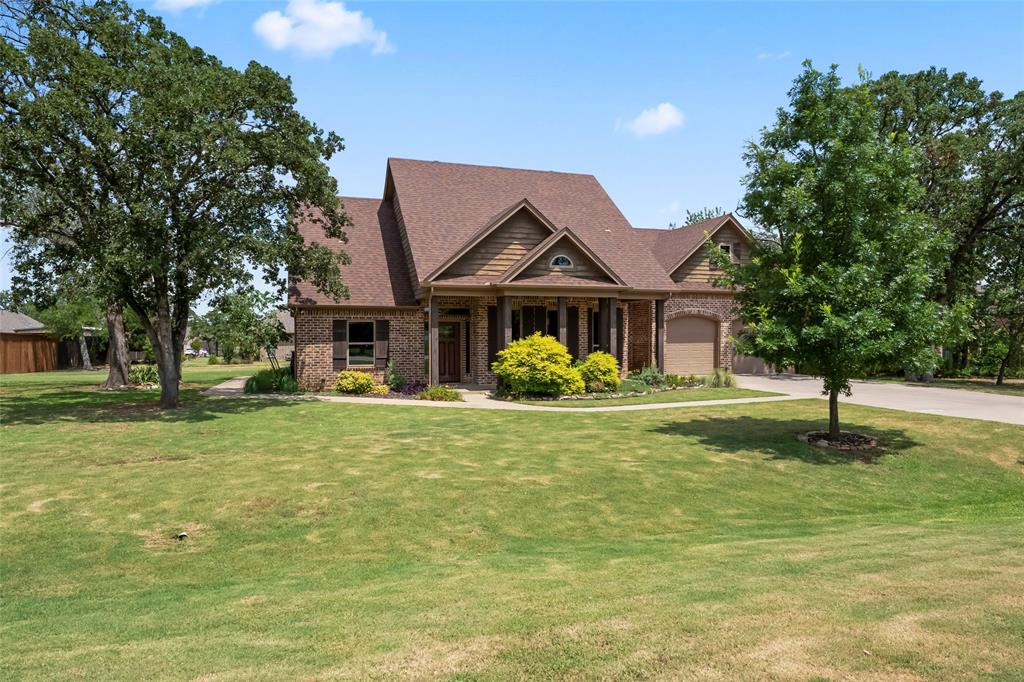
[27,353]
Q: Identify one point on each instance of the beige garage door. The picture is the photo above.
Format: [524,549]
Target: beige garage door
[690,345]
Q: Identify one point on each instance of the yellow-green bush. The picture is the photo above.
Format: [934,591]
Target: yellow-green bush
[354,383]
[380,389]
[538,365]
[600,369]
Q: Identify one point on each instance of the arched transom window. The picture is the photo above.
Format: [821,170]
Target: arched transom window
[561,261]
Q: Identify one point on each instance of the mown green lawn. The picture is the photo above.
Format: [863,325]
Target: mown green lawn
[403,542]
[684,395]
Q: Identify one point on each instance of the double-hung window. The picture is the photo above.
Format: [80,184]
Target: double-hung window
[360,343]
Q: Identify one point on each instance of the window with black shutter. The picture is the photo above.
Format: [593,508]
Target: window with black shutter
[492,334]
[339,336]
[380,346]
[572,330]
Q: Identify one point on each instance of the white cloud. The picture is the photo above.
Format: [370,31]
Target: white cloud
[179,5]
[657,120]
[773,56]
[319,28]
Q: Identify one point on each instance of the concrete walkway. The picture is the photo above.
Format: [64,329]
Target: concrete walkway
[947,402]
[473,399]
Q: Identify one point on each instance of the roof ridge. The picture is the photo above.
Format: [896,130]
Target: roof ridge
[484,165]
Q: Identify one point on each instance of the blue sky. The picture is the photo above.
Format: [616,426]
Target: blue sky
[559,86]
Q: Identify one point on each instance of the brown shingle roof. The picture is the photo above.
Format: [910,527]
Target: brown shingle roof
[671,246]
[445,204]
[378,275]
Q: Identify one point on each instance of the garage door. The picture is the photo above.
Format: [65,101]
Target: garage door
[690,345]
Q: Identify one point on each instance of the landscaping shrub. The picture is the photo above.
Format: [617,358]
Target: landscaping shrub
[602,368]
[394,378]
[632,385]
[649,376]
[354,383]
[143,374]
[720,378]
[440,393]
[214,360]
[682,381]
[271,381]
[538,365]
[380,389]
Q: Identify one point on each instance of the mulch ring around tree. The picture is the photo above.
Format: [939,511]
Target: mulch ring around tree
[848,441]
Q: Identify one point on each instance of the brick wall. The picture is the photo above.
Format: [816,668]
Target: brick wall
[314,344]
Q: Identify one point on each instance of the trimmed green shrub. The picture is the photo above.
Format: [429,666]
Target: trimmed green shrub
[354,383]
[380,389]
[394,378]
[271,381]
[440,393]
[143,374]
[214,360]
[649,376]
[600,368]
[720,378]
[538,366]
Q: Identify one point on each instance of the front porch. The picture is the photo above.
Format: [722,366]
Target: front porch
[465,333]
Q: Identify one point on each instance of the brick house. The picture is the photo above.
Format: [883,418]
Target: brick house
[456,261]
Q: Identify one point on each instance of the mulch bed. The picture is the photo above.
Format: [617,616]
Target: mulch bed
[847,440]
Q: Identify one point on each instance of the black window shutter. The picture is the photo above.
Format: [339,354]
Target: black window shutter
[465,343]
[380,345]
[619,335]
[492,334]
[339,333]
[572,330]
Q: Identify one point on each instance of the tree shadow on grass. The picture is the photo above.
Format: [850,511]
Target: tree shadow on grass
[97,406]
[776,438]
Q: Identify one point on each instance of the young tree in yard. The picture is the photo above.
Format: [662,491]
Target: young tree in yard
[839,286]
[152,165]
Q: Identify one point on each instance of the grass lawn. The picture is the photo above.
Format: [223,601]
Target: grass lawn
[684,395]
[393,542]
[1010,387]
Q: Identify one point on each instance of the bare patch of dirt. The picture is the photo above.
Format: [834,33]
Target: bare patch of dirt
[258,504]
[37,506]
[423,660]
[160,538]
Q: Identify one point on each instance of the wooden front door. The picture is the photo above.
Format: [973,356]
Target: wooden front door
[449,356]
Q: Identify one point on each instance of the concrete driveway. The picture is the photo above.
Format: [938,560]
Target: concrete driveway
[947,402]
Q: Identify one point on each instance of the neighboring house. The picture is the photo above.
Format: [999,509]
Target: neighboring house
[456,261]
[25,345]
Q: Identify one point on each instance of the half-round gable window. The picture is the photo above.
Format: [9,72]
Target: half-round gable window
[561,261]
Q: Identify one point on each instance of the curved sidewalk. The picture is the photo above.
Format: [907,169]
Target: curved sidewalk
[472,400]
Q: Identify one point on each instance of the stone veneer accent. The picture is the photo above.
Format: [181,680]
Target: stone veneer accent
[719,307]
[314,343]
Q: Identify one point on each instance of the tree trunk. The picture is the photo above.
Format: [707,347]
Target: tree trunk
[1001,377]
[167,346]
[117,350]
[84,350]
[833,414]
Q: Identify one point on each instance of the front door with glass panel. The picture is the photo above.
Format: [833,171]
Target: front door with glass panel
[448,355]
